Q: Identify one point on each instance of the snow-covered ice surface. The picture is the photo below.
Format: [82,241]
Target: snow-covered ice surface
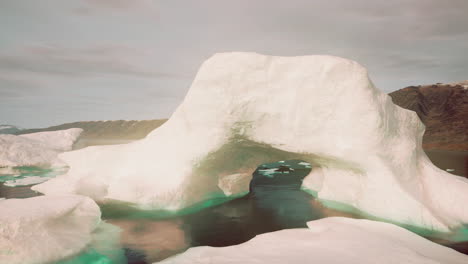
[331,240]
[61,140]
[46,229]
[19,151]
[36,149]
[365,151]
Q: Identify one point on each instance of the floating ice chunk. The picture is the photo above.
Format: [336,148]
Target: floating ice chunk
[450,170]
[268,172]
[61,140]
[304,163]
[235,184]
[104,248]
[367,150]
[45,229]
[26,181]
[329,240]
[36,149]
[17,151]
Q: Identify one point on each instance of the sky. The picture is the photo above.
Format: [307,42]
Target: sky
[74,60]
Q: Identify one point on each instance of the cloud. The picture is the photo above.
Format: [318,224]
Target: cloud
[19,85]
[90,61]
[411,61]
[119,4]
[142,8]
[418,19]
[156,46]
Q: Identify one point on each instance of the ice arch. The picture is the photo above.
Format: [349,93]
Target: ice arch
[321,109]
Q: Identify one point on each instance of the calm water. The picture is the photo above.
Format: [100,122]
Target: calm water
[275,202]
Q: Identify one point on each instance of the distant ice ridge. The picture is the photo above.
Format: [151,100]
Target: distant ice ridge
[46,229]
[330,240]
[245,109]
[36,149]
[9,129]
[61,140]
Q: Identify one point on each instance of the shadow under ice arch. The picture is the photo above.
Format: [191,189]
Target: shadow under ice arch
[244,109]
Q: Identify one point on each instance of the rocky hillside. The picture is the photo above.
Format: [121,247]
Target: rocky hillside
[443,108]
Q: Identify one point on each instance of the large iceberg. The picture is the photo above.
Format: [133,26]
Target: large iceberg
[36,149]
[329,240]
[245,109]
[46,229]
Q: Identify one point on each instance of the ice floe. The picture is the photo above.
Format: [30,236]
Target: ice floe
[36,149]
[329,240]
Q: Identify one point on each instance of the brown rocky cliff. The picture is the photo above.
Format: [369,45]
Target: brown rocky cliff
[443,108]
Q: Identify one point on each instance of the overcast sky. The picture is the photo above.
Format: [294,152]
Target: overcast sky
[73,60]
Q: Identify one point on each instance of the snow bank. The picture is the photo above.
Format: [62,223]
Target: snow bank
[244,109]
[45,229]
[36,149]
[329,240]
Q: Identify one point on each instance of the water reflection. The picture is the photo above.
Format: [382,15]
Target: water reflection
[275,202]
[149,240]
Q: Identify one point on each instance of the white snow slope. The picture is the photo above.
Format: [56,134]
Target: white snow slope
[330,240]
[36,149]
[242,108]
[45,229]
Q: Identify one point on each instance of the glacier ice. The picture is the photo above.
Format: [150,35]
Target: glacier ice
[61,140]
[244,109]
[235,184]
[46,229]
[36,149]
[329,240]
